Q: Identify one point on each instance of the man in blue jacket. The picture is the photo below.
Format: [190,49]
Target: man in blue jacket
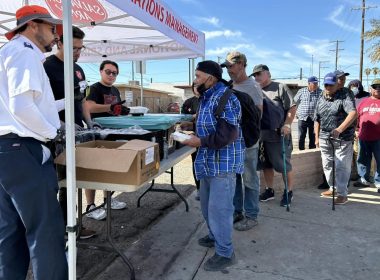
[220,157]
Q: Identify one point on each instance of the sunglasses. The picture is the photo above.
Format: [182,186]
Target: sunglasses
[109,73]
[328,85]
[53,27]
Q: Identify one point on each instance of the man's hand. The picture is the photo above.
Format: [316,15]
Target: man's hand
[285,129]
[116,108]
[194,141]
[335,133]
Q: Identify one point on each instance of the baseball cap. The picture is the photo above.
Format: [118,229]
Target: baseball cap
[340,73]
[28,13]
[330,79]
[260,68]
[313,80]
[210,67]
[375,82]
[234,57]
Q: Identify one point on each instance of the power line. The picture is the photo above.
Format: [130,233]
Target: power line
[337,49]
[363,8]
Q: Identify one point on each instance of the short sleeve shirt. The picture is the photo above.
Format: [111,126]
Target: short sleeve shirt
[331,113]
[54,68]
[252,88]
[102,94]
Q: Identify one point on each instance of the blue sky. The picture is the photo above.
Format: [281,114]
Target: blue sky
[284,34]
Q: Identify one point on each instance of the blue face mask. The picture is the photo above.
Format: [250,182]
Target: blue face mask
[355,90]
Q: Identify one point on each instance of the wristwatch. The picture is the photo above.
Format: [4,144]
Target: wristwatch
[287,125]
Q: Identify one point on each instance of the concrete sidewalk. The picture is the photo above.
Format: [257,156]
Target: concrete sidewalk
[309,242]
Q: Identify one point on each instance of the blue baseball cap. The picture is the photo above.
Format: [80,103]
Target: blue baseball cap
[313,80]
[330,79]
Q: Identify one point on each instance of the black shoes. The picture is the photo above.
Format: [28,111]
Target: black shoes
[267,195]
[206,241]
[216,262]
[238,216]
[285,202]
[323,186]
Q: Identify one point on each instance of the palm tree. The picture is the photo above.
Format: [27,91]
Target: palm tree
[375,71]
[367,73]
[374,34]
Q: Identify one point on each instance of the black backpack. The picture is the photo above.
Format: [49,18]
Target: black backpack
[273,113]
[250,119]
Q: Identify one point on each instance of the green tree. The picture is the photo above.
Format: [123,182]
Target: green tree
[374,35]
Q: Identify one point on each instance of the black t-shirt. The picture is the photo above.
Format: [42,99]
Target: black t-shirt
[102,94]
[190,106]
[54,68]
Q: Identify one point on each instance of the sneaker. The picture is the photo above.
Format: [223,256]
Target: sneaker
[245,224]
[341,200]
[98,214]
[206,241]
[216,262]
[362,183]
[267,195]
[354,177]
[197,197]
[86,233]
[115,204]
[285,203]
[238,216]
[323,186]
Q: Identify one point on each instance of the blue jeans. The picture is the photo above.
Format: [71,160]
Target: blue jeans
[31,222]
[216,194]
[366,150]
[250,199]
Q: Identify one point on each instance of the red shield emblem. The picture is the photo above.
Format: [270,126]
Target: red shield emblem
[83,11]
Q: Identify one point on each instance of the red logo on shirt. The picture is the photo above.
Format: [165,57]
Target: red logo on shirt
[79,75]
[83,11]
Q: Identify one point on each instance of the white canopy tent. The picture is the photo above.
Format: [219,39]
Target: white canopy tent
[116,30]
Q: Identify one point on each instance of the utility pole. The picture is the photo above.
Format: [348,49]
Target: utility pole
[363,8]
[319,69]
[337,49]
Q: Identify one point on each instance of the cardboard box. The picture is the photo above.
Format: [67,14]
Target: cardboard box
[129,163]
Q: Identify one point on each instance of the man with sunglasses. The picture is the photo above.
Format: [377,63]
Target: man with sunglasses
[369,136]
[271,139]
[334,117]
[104,100]
[31,222]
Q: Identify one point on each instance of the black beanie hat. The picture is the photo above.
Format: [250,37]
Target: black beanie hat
[210,67]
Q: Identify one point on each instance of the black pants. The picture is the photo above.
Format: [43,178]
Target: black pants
[193,156]
[303,127]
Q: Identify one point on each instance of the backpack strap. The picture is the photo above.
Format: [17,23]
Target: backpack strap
[222,103]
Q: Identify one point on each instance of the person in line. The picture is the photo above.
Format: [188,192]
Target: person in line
[220,157]
[190,106]
[31,221]
[236,64]
[271,139]
[335,116]
[306,99]
[369,136]
[104,100]
[54,67]
[357,89]
[341,78]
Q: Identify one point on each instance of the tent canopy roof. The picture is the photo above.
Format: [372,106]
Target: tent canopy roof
[121,30]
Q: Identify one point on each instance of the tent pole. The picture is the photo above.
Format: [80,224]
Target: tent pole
[141,87]
[70,155]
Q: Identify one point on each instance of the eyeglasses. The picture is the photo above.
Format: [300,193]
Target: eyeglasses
[75,49]
[109,72]
[376,87]
[257,74]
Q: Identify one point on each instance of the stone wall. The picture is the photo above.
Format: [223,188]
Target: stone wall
[307,167]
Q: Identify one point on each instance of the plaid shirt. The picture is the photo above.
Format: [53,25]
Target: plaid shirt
[306,102]
[210,162]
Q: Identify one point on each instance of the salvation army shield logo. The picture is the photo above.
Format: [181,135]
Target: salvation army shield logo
[83,11]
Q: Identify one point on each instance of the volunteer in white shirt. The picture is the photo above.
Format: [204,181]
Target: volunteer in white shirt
[31,223]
